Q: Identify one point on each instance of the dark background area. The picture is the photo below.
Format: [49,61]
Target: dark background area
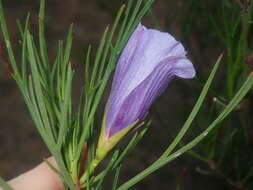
[21,148]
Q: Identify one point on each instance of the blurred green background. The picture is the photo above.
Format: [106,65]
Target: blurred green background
[207,28]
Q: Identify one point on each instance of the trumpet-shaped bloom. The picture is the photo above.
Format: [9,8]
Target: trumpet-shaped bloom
[150,60]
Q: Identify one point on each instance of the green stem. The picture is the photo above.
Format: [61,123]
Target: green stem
[92,166]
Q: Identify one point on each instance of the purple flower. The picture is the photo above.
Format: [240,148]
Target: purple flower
[150,60]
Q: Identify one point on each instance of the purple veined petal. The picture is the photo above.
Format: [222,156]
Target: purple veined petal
[146,48]
[135,106]
[184,69]
[146,65]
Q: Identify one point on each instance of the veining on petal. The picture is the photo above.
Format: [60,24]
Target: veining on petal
[149,61]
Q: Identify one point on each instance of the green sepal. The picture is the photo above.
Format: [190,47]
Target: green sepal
[105,143]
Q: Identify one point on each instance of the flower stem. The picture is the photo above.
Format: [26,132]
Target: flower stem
[94,163]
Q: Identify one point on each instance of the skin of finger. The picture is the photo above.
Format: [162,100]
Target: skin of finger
[40,178]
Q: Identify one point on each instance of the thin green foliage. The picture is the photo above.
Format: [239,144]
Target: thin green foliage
[194,112]
[71,135]
[116,178]
[166,159]
[107,169]
[130,146]
[47,88]
[231,25]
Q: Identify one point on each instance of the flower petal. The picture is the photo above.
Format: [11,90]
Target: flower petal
[148,62]
[144,51]
[184,69]
[136,104]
